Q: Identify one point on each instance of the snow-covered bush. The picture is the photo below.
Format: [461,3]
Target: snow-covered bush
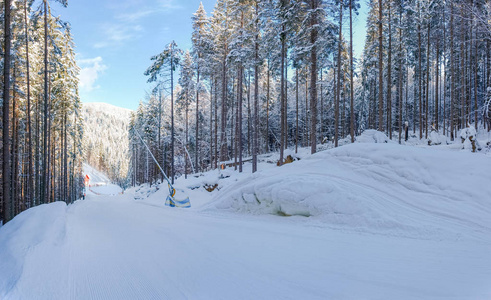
[469,141]
[372,136]
[435,138]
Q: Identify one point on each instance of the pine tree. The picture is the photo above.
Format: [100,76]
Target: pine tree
[164,64]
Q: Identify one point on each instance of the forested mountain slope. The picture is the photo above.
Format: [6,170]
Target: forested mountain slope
[106,138]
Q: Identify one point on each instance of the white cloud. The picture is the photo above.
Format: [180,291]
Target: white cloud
[117,34]
[168,4]
[134,16]
[90,69]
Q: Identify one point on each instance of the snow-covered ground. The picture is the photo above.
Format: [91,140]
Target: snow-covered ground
[363,221]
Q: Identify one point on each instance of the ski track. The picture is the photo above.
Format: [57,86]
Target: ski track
[390,237]
[116,248]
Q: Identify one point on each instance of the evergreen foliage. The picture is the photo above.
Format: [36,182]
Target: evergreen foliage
[42,144]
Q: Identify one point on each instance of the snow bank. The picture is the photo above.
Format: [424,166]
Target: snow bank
[379,188]
[29,231]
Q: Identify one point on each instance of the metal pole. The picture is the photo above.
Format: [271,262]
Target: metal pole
[154,159]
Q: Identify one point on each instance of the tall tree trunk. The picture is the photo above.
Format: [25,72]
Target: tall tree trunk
[427,101]
[313,76]
[212,94]
[223,136]
[15,146]
[452,73]
[475,65]
[255,141]
[7,201]
[196,162]
[296,103]
[45,168]
[400,79]
[306,122]
[239,117]
[437,78]
[352,86]
[420,74]
[30,184]
[267,107]
[186,164]
[389,74]
[217,153]
[380,70]
[282,87]
[236,128]
[172,109]
[338,86]
[159,142]
[65,158]
[249,117]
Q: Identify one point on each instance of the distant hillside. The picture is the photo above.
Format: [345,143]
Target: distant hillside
[106,138]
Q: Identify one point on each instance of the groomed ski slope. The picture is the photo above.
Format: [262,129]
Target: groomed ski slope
[368,221]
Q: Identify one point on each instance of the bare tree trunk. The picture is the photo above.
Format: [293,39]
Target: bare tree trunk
[389,74]
[172,110]
[313,77]
[223,136]
[186,164]
[267,109]
[196,162]
[437,79]
[427,101]
[159,142]
[338,86]
[282,88]
[380,70]
[236,129]
[475,65]
[452,73]
[211,122]
[65,158]
[400,79]
[7,201]
[296,102]
[30,184]
[249,118]
[45,168]
[255,145]
[239,116]
[352,86]
[420,74]
[306,123]
[216,125]
[15,146]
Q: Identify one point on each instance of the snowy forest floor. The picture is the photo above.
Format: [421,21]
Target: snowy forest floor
[362,221]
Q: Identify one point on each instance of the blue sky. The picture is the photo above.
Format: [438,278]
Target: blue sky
[115,39]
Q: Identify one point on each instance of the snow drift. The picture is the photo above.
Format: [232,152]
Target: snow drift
[373,187]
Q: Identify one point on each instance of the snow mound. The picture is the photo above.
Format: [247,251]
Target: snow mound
[35,228]
[435,138]
[377,188]
[372,136]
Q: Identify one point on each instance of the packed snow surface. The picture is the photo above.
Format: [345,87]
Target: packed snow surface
[363,221]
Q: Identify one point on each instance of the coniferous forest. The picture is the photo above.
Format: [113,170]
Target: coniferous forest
[41,123]
[263,151]
[267,75]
